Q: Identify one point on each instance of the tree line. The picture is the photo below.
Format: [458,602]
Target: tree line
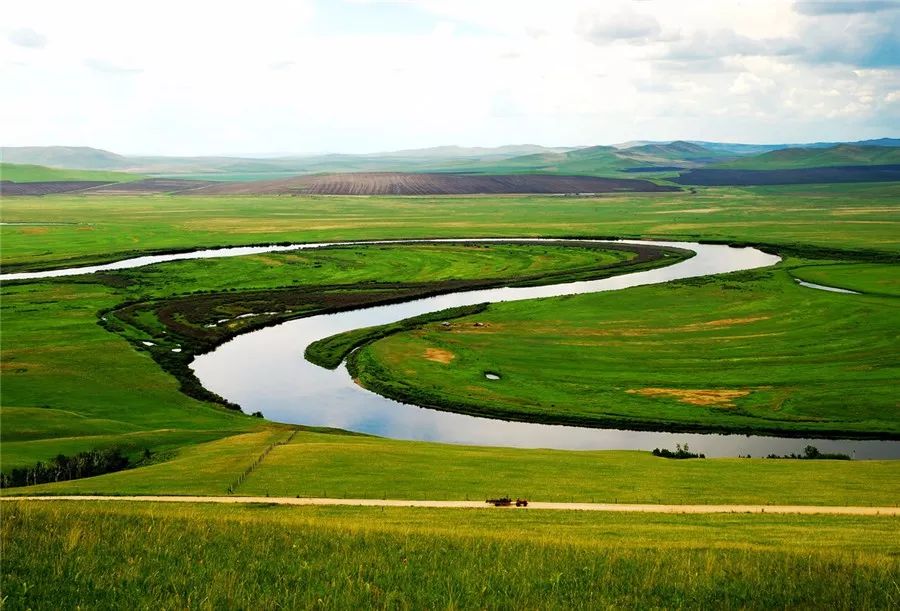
[62,468]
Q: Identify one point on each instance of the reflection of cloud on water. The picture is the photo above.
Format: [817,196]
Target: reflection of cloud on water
[265,370]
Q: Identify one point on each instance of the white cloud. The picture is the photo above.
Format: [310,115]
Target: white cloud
[203,77]
[747,82]
[626,25]
[28,38]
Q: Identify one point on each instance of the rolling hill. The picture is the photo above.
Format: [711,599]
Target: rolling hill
[16,172]
[799,158]
[73,157]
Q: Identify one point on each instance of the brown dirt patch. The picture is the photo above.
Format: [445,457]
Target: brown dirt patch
[33,230]
[438,355]
[722,323]
[703,397]
[400,183]
[689,211]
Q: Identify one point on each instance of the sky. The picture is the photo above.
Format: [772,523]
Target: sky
[302,76]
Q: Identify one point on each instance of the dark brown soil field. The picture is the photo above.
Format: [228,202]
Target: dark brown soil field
[153,185]
[148,186]
[398,183]
[849,173]
[8,187]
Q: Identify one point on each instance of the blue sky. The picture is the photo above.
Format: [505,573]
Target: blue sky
[174,77]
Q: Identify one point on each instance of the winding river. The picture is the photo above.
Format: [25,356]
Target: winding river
[265,370]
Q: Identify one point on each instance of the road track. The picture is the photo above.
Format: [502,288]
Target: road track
[532,505]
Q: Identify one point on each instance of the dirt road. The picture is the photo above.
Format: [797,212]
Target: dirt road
[771,509]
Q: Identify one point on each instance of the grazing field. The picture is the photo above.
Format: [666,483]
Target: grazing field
[332,464]
[861,277]
[60,554]
[399,183]
[863,217]
[69,384]
[841,155]
[744,352]
[24,173]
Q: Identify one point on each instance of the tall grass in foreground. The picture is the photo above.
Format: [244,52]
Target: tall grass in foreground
[65,555]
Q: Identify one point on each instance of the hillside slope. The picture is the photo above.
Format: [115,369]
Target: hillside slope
[16,172]
[796,158]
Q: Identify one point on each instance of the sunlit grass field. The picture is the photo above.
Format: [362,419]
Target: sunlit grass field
[70,385]
[335,465]
[750,351]
[860,216]
[71,554]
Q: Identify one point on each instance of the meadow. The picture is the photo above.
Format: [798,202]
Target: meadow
[77,375]
[71,383]
[846,220]
[72,554]
[744,352]
[17,172]
[334,464]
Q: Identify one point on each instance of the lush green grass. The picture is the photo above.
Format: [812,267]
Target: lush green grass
[356,466]
[331,351]
[69,385]
[854,217]
[66,554]
[18,172]
[843,154]
[751,351]
[875,279]
[58,362]
[66,379]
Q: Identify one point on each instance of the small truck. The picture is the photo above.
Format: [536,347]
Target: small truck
[505,501]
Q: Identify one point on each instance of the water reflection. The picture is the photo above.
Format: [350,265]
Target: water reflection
[265,370]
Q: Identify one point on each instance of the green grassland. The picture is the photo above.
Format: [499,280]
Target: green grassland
[872,279]
[18,172]
[69,384]
[340,465]
[858,217]
[794,158]
[744,352]
[72,554]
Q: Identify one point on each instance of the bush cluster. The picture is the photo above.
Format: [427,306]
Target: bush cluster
[680,452]
[62,468]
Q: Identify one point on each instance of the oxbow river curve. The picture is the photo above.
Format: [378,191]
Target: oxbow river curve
[265,370]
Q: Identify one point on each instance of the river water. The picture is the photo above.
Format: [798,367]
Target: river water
[265,370]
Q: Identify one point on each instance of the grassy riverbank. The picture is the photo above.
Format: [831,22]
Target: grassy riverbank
[62,554]
[745,352]
[70,385]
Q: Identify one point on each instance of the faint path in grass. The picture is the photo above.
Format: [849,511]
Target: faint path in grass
[246,473]
[608,507]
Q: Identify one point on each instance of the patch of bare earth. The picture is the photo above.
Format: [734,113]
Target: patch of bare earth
[702,397]
[438,355]
[400,183]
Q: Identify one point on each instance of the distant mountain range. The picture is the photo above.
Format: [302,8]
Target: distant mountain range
[737,148]
[662,158]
